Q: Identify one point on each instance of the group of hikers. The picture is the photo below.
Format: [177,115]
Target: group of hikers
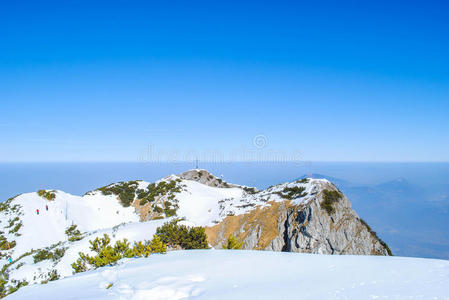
[46,208]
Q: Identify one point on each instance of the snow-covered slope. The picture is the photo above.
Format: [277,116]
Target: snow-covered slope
[91,212]
[26,269]
[215,274]
[286,217]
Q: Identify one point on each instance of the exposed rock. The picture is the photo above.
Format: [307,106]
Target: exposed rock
[307,227]
[204,177]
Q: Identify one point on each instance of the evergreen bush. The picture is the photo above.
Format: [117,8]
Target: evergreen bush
[293,192]
[175,235]
[233,243]
[73,233]
[109,255]
[47,195]
[329,198]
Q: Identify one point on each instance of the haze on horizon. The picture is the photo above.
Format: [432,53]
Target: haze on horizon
[336,80]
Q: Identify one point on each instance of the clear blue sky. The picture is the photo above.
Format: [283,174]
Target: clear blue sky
[335,80]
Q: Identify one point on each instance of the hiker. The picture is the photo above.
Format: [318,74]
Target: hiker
[46,207]
[10,259]
[37,211]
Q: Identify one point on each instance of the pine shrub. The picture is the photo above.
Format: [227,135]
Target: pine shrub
[233,243]
[293,192]
[156,190]
[73,233]
[175,235]
[47,195]
[329,198]
[5,244]
[303,180]
[44,254]
[124,190]
[107,254]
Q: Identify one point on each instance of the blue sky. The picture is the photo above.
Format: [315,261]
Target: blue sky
[333,81]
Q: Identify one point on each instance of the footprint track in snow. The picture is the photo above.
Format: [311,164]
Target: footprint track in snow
[167,288]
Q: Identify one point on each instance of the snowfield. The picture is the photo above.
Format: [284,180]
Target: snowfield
[88,213]
[133,232]
[198,202]
[235,274]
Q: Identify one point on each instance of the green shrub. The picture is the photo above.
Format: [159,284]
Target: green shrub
[58,253]
[293,192]
[4,206]
[16,228]
[5,244]
[3,282]
[47,195]
[125,191]
[170,208]
[41,255]
[73,233]
[44,254]
[157,209]
[19,265]
[233,243]
[329,198]
[303,180]
[175,235]
[51,276]
[12,222]
[390,253]
[145,249]
[17,284]
[15,207]
[109,255]
[161,189]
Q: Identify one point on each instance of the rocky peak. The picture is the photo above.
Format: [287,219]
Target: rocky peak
[323,222]
[206,178]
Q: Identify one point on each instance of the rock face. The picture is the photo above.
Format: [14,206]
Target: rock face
[306,227]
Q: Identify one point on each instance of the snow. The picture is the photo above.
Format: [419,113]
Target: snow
[96,214]
[203,205]
[90,212]
[133,232]
[234,274]
[198,203]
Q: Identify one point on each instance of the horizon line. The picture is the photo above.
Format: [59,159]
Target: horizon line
[302,162]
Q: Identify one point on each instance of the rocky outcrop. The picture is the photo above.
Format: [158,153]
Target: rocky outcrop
[324,224]
[206,178]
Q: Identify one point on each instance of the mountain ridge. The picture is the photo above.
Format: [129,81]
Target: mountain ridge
[292,216]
